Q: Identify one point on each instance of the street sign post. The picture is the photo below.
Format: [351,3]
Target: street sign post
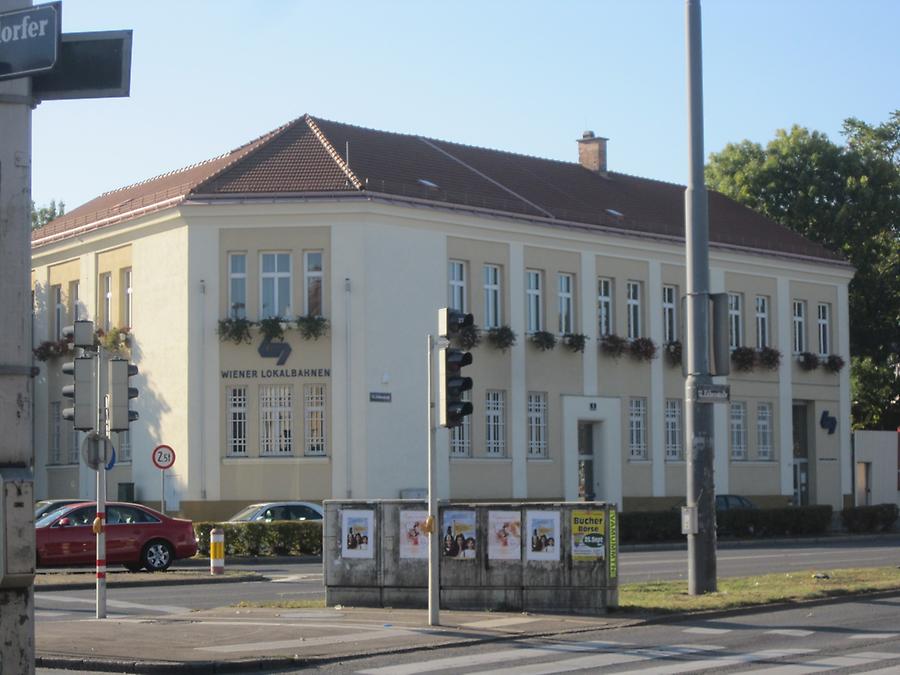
[95,450]
[29,40]
[163,458]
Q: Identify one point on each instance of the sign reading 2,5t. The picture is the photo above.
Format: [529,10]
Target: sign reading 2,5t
[163,457]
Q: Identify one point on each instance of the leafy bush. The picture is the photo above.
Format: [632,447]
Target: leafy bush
[769,357]
[501,337]
[575,341]
[878,518]
[543,340]
[743,359]
[650,526]
[613,345]
[281,537]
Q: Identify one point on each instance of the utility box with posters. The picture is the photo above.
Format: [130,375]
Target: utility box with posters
[16,528]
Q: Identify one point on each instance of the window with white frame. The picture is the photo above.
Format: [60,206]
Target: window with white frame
[312,269]
[735,321]
[566,316]
[799,326]
[537,425]
[764,432]
[58,313]
[127,298]
[275,285]
[74,313]
[738,430]
[634,310]
[492,310]
[762,321]
[823,321]
[670,313]
[533,287]
[124,446]
[605,306]
[236,434]
[674,448]
[237,285]
[275,419]
[457,275]
[106,300]
[74,443]
[54,449]
[314,419]
[495,423]
[637,428]
[461,436]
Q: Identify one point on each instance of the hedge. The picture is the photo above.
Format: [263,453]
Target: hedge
[878,518]
[280,537]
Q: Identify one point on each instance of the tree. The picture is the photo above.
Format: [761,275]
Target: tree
[42,216]
[847,198]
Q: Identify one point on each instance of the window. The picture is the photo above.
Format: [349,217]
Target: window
[674,451]
[457,274]
[74,314]
[738,430]
[566,317]
[735,321]
[275,286]
[823,320]
[764,430]
[105,300]
[312,264]
[461,436]
[314,419]
[495,427]
[74,443]
[799,342]
[605,306]
[533,287]
[127,300]
[275,419]
[236,436]
[124,446]
[762,321]
[54,449]
[492,315]
[637,428]
[58,313]
[237,285]
[634,310]
[670,316]
[537,424]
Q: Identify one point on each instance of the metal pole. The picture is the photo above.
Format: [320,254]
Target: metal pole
[162,491]
[434,537]
[102,421]
[698,422]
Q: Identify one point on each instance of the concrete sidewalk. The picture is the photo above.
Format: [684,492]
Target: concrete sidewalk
[242,640]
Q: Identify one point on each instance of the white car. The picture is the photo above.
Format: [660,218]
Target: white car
[268,511]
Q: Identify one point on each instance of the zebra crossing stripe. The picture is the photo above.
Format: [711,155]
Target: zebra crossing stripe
[828,663]
[718,663]
[790,632]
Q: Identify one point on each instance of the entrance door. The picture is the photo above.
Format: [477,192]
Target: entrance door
[864,483]
[801,482]
[801,455]
[586,461]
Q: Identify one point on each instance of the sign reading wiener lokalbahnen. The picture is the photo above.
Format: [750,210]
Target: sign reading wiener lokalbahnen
[29,40]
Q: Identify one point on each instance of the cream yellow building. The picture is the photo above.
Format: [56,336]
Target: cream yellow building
[286,226]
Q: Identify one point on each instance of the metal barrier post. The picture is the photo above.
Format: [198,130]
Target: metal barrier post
[217,551]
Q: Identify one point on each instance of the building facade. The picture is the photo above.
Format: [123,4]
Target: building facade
[287,227]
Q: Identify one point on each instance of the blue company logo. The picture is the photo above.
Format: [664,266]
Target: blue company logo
[828,422]
[274,350]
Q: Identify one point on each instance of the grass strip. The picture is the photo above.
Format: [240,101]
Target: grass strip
[672,596]
[285,604]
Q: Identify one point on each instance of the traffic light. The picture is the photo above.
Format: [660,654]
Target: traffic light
[81,333]
[83,412]
[451,384]
[120,393]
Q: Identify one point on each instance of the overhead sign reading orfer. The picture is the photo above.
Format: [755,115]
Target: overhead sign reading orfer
[29,40]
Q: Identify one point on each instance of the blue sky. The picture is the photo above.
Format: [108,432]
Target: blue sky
[522,76]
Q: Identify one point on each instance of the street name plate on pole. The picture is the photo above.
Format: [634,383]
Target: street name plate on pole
[29,40]
[713,393]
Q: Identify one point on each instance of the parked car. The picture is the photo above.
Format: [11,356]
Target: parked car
[269,511]
[729,502]
[45,506]
[136,536]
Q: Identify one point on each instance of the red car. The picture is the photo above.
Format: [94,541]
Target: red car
[135,536]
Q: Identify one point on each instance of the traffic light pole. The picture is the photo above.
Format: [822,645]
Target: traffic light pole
[100,520]
[434,536]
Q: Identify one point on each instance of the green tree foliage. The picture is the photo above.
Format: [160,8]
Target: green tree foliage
[847,198]
[42,216]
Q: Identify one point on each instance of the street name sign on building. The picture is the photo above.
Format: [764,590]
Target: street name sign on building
[29,40]
[713,393]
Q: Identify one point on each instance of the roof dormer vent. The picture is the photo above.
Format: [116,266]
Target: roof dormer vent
[592,152]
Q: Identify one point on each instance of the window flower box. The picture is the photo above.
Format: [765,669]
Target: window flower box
[743,358]
[808,361]
[543,340]
[236,330]
[575,341]
[501,338]
[642,349]
[613,345]
[769,357]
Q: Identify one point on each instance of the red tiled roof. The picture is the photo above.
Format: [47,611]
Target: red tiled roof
[309,155]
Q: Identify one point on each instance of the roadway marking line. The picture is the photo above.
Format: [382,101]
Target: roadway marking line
[828,663]
[701,630]
[874,636]
[790,632]
[488,657]
[717,663]
[497,623]
[165,609]
[292,578]
[304,642]
[41,613]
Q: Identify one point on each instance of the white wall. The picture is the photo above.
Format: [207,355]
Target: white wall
[881,449]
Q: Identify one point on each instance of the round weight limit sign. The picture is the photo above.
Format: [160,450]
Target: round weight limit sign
[163,458]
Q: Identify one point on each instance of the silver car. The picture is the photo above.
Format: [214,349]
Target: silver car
[268,511]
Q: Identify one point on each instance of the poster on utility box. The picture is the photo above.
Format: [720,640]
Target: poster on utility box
[587,535]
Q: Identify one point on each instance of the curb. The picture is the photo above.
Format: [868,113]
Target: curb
[83,585]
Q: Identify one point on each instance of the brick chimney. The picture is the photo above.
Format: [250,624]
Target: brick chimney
[592,152]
